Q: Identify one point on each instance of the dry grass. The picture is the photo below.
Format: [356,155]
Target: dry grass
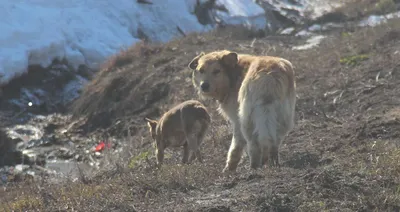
[355,10]
[118,189]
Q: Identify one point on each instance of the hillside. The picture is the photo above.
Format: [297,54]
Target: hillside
[343,154]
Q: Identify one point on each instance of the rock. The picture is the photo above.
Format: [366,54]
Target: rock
[3,179]
[20,168]
[7,146]
[65,153]
[78,157]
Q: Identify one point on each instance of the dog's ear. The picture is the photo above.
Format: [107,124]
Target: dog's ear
[193,64]
[151,123]
[230,59]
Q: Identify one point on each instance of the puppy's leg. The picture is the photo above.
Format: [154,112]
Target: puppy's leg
[200,137]
[193,146]
[265,156]
[185,153]
[235,150]
[187,146]
[160,155]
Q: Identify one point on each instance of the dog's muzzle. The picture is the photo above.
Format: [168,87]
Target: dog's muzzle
[205,87]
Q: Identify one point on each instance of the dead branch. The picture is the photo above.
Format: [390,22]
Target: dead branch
[181,31]
[144,2]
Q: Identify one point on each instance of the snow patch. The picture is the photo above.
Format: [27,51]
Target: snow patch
[304,33]
[320,7]
[243,12]
[310,43]
[287,31]
[375,20]
[87,32]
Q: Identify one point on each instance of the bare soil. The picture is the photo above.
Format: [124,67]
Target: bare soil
[343,154]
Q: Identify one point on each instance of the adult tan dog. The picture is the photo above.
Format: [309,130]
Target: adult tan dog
[184,125]
[257,94]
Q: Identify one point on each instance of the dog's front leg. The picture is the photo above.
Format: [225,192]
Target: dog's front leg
[238,143]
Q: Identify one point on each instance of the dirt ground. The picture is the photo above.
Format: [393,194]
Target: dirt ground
[343,154]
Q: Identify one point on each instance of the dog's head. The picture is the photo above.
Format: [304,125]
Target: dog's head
[152,124]
[214,73]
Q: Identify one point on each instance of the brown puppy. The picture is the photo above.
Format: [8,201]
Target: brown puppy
[257,94]
[183,125]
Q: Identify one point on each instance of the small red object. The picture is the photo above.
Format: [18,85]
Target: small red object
[101,146]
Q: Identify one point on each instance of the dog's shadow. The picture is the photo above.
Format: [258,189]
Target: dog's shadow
[302,160]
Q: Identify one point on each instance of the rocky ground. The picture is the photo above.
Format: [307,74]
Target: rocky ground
[343,154]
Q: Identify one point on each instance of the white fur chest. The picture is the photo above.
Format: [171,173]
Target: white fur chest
[229,109]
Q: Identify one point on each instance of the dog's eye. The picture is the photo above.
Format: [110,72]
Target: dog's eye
[216,71]
[201,71]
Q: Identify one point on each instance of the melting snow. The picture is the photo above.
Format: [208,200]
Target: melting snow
[87,32]
[374,20]
[311,42]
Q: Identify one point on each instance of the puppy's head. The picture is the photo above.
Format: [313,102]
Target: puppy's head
[152,124]
[214,73]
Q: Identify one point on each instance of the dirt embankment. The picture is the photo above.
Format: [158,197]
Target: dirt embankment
[342,155]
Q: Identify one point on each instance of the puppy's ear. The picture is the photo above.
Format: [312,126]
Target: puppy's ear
[193,64]
[230,59]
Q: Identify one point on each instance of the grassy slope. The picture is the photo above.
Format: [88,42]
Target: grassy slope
[342,155]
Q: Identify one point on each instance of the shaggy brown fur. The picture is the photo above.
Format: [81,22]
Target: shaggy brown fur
[183,125]
[256,94]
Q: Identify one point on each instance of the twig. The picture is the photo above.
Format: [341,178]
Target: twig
[377,76]
[18,114]
[248,46]
[330,118]
[181,31]
[252,43]
[144,2]
[338,97]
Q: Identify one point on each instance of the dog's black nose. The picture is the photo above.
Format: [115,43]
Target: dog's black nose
[205,87]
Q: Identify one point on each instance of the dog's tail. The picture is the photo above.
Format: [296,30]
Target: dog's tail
[288,67]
